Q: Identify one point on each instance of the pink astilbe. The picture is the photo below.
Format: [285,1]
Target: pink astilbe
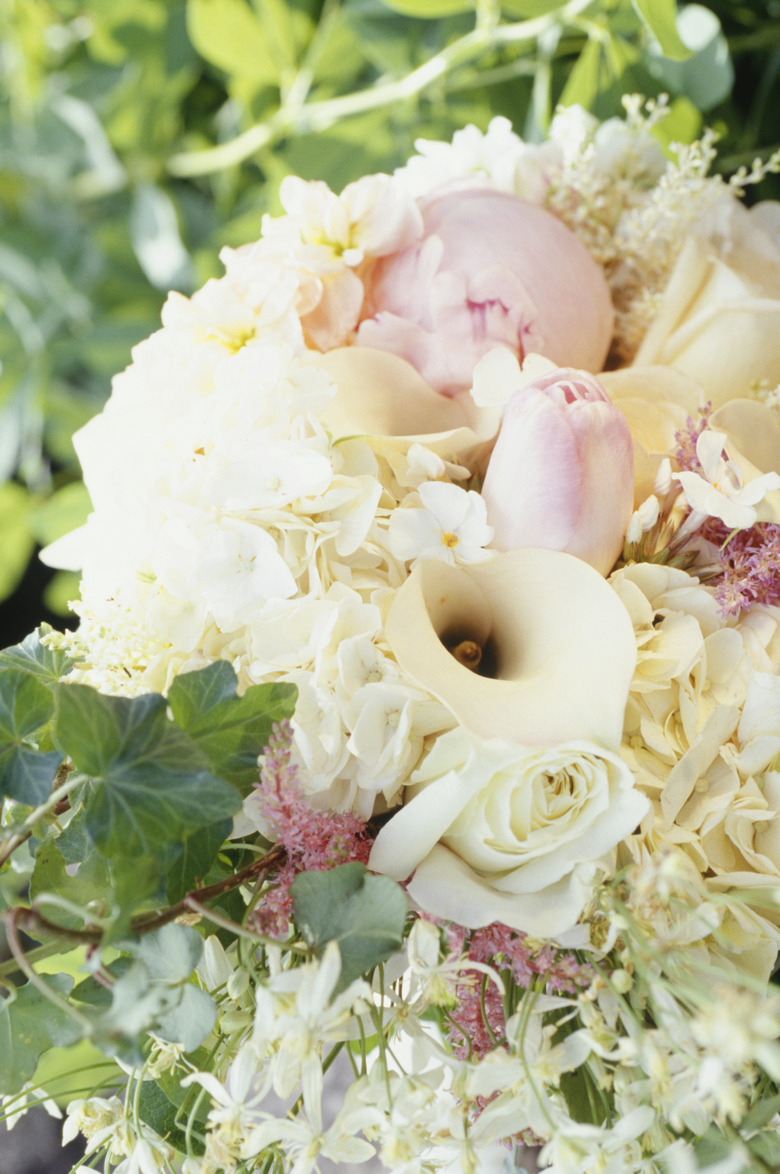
[314,840]
[478,1022]
[748,562]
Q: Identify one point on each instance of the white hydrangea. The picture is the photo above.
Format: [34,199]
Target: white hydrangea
[497,157]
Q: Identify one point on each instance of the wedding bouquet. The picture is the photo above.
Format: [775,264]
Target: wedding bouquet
[455,504]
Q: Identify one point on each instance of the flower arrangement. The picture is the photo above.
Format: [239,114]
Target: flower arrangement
[455,504]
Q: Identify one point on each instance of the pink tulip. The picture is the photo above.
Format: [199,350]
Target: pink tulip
[490,270]
[561,473]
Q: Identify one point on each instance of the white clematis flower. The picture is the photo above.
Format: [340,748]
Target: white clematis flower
[721,493]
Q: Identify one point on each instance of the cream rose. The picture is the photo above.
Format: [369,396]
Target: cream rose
[496,832]
[719,317]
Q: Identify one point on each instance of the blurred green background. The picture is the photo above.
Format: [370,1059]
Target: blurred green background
[137,137]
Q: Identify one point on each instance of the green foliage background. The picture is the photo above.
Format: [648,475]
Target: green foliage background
[137,138]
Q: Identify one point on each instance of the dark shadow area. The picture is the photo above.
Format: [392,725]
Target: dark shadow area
[33,1146]
[24,611]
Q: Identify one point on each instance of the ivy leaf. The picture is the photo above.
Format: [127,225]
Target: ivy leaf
[26,773]
[365,914]
[190,1020]
[89,886]
[171,953]
[45,664]
[197,855]
[231,730]
[29,1025]
[151,786]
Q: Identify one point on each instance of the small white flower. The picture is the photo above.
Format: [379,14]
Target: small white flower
[643,519]
[21,1102]
[720,493]
[150,1155]
[452,526]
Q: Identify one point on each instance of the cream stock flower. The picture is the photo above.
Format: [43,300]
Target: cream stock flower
[495,832]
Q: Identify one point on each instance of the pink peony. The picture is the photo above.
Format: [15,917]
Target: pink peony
[561,473]
[490,270]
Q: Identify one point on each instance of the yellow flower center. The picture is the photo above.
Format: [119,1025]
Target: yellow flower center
[450,540]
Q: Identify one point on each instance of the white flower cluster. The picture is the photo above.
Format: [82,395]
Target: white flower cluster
[230,522]
[702,735]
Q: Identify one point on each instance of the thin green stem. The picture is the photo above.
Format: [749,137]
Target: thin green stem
[317,116]
[25,829]
[54,997]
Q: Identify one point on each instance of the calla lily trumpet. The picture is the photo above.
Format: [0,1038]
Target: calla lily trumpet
[532,646]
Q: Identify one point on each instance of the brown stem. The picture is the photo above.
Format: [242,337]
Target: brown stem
[146,922]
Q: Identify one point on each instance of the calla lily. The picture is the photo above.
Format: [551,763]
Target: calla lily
[380,395]
[554,635]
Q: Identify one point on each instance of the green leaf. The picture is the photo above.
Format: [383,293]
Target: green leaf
[760,1115]
[766,1147]
[582,84]
[365,914]
[659,16]
[228,34]
[530,8]
[430,9]
[89,886]
[150,782]
[190,1020]
[161,1114]
[29,1025]
[64,511]
[154,231]
[171,953]
[167,1107]
[231,730]
[706,77]
[16,541]
[26,773]
[197,855]
[33,657]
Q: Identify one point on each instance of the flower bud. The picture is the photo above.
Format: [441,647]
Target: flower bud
[561,473]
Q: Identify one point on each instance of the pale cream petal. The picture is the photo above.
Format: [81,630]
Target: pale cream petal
[561,639]
[379,394]
[445,886]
